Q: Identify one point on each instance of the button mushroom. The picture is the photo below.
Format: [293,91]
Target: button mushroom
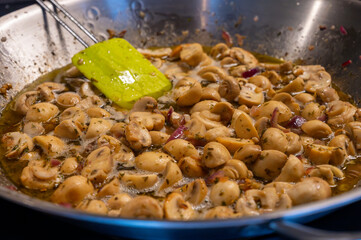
[274,138]
[244,126]
[219,212]
[191,167]
[69,166]
[142,207]
[97,127]
[187,92]
[176,208]
[39,177]
[152,121]
[236,169]
[319,154]
[137,136]
[269,164]
[138,181]
[33,128]
[244,57]
[316,129]
[267,109]
[192,54]
[212,74]
[215,154]
[229,88]
[73,190]
[340,112]
[119,200]
[194,192]
[171,175]
[97,112]
[354,131]
[152,161]
[24,101]
[75,114]
[313,111]
[248,153]
[145,104]
[93,206]
[233,144]
[67,129]
[219,51]
[98,164]
[41,112]
[224,193]
[16,143]
[326,172]
[51,145]
[292,171]
[250,95]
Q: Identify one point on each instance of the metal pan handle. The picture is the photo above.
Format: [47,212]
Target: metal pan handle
[298,231]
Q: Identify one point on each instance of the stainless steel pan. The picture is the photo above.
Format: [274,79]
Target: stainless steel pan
[33,44]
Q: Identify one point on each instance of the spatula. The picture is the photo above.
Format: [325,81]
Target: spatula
[114,66]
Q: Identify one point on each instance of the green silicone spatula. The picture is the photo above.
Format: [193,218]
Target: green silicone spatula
[119,71]
[114,66]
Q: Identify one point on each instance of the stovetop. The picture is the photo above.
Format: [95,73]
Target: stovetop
[22,223]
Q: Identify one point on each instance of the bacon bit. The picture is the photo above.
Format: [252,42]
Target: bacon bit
[322,27]
[227,38]
[240,39]
[250,73]
[178,133]
[343,30]
[345,64]
[54,162]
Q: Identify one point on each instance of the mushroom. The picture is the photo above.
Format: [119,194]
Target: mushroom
[326,172]
[224,109]
[214,133]
[53,86]
[304,98]
[203,105]
[292,171]
[244,126]
[219,51]
[73,190]
[145,104]
[118,129]
[39,177]
[210,120]
[354,131]
[194,192]
[67,129]
[41,112]
[313,111]
[45,93]
[236,169]
[288,100]
[244,57]
[191,167]
[159,138]
[274,138]
[69,166]
[138,181]
[319,154]
[68,99]
[152,121]
[109,189]
[180,148]
[233,144]
[317,80]
[229,88]
[260,81]
[33,128]
[51,145]
[269,164]
[98,164]
[16,143]
[90,101]
[215,154]
[316,129]
[224,193]
[196,128]
[176,208]
[171,175]
[248,153]
[294,144]
[210,94]
[24,101]
[75,114]
[192,54]
[267,109]
[137,136]
[93,206]
[250,96]
[340,112]
[309,190]
[212,74]
[187,92]
[344,142]
[86,90]
[155,53]
[219,212]
[273,76]
[297,85]
[152,161]
[119,200]
[97,112]
[328,94]
[142,207]
[97,127]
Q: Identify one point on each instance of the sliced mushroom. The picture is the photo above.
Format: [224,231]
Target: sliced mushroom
[191,167]
[340,112]
[39,177]
[354,131]
[145,104]
[194,192]
[309,190]
[294,143]
[119,200]
[97,127]
[274,139]
[67,129]
[142,207]
[69,166]
[297,85]
[192,54]
[317,80]
[33,128]
[224,193]
[328,94]
[137,136]
[176,208]
[171,175]
[73,190]
[41,112]
[229,88]
[248,153]
[98,164]
[219,51]
[90,101]
[109,189]
[152,161]
[204,118]
[16,143]
[155,53]
[261,82]
[152,121]
[316,129]
[214,133]
[244,57]
[313,111]
[138,181]
[319,154]
[196,128]
[236,169]
[93,206]
[215,154]
[203,105]
[97,112]
[244,126]
[292,171]
[187,92]
[289,101]
[53,86]
[326,172]
[233,144]
[24,101]
[51,145]
[75,114]
[68,99]
[212,74]
[225,110]
[267,109]
[46,94]
[159,138]
[304,98]
[250,96]
[210,94]
[269,164]
[118,129]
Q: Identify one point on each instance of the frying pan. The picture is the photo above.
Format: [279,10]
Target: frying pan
[32,44]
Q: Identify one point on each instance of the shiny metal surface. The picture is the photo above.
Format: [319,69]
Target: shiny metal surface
[33,44]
